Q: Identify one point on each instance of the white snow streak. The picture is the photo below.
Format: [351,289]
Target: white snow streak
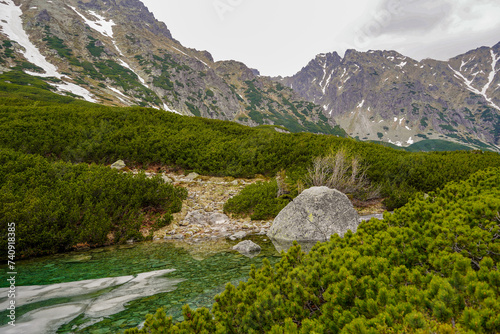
[397,143]
[184,53]
[324,76]
[171,110]
[124,64]
[121,94]
[402,64]
[327,83]
[189,56]
[345,70]
[410,141]
[105,27]
[360,105]
[491,76]
[75,89]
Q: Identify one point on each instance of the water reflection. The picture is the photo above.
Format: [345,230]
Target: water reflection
[284,245]
[110,289]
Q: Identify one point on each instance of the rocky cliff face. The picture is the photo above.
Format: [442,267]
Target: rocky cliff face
[383,95]
[115,52]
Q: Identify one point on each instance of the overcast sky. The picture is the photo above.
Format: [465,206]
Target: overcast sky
[279,37]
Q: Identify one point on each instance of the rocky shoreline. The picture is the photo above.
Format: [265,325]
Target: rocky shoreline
[202,216]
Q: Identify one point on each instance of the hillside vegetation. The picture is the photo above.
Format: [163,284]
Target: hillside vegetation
[36,123]
[431,267]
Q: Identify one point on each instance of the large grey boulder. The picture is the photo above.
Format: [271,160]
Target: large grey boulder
[315,215]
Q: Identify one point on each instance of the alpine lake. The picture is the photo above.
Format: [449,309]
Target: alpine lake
[110,289]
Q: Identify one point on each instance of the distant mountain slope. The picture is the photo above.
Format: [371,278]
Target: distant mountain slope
[115,52]
[383,95]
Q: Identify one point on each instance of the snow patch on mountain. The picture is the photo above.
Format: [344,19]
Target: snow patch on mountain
[124,64]
[167,108]
[12,26]
[75,89]
[103,26]
[491,76]
[397,143]
[121,96]
[402,64]
[468,83]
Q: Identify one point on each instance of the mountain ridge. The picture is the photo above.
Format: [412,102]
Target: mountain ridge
[384,95]
[115,52]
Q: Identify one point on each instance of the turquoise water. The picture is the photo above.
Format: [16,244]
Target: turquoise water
[201,271]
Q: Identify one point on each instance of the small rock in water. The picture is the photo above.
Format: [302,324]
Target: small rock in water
[118,165]
[246,247]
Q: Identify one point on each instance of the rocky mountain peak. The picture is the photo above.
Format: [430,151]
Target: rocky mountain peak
[386,96]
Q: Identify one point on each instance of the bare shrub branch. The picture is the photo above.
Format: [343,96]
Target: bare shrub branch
[342,171]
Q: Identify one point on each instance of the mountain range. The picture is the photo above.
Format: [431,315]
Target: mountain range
[115,52]
[384,95]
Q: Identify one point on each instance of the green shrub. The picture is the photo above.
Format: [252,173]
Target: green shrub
[258,200]
[57,205]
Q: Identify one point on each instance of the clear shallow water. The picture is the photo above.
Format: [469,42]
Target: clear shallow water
[110,289]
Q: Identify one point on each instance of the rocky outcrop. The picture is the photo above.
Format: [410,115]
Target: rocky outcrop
[315,215]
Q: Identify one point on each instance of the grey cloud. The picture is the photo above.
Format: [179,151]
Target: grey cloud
[415,16]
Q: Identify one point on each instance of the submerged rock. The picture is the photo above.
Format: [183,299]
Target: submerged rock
[315,215]
[247,247]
